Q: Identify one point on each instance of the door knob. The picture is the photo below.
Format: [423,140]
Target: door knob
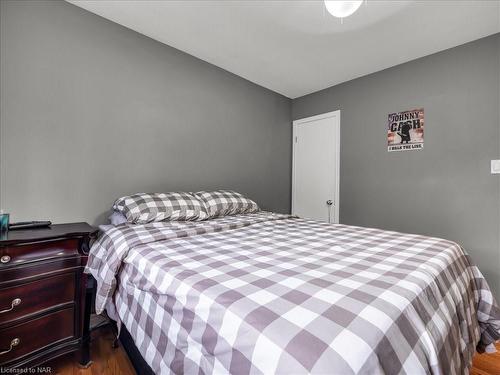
[329,202]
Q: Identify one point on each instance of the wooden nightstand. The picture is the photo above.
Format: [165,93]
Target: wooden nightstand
[42,294]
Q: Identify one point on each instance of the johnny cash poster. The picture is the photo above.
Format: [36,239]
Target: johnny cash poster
[405,130]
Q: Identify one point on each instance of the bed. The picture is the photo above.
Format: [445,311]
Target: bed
[266,293]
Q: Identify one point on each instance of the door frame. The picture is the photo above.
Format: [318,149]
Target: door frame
[337,166]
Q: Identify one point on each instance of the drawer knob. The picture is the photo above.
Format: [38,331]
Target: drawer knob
[15,302]
[5,259]
[15,342]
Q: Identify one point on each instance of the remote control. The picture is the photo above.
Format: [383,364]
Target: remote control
[29,224]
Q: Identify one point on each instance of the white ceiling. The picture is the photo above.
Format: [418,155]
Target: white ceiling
[296,47]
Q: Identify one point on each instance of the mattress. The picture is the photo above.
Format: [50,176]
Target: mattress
[267,293]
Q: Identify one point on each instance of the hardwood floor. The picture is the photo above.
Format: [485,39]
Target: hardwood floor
[487,364]
[109,361]
[106,359]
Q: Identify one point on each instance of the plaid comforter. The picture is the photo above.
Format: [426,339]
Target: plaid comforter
[266,293]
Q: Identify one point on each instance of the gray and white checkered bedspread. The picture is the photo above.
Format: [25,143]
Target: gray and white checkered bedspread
[266,293]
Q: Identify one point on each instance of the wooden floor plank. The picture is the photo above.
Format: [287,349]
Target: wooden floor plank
[487,363]
[106,359]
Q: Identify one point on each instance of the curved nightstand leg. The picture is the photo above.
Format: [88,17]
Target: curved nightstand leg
[84,360]
[87,365]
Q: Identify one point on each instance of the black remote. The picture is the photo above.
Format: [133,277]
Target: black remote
[29,225]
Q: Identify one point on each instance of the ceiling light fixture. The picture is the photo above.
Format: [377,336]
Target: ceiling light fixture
[342,9]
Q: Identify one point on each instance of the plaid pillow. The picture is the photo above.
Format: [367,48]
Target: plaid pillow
[225,202]
[142,208]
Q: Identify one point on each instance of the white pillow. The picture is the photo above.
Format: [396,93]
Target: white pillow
[117,218]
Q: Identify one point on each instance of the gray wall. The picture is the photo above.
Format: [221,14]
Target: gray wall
[444,190]
[91,111]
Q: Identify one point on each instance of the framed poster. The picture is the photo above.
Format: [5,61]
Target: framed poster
[405,130]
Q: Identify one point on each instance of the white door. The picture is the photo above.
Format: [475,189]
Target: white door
[316,162]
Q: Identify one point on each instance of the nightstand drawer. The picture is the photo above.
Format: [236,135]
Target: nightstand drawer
[35,334]
[39,295]
[43,309]
[32,252]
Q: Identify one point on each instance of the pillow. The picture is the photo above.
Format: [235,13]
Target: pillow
[225,202]
[142,208]
[117,218]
